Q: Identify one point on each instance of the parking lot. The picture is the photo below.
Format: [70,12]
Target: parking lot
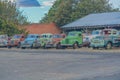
[51,64]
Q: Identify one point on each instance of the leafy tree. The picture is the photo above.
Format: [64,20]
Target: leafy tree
[11,18]
[66,11]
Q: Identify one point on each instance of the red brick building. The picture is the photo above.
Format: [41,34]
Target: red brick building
[42,28]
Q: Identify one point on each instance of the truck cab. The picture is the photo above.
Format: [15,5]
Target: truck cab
[87,37]
[109,39]
[73,39]
[56,38]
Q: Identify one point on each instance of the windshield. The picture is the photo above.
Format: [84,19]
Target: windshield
[16,36]
[3,36]
[46,36]
[99,37]
[57,36]
[95,32]
[72,34]
[31,36]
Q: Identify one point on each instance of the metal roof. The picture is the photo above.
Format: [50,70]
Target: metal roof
[98,20]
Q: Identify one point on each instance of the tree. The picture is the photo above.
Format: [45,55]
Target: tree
[66,11]
[10,18]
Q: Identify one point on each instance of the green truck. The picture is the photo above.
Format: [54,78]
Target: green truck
[45,38]
[73,39]
[108,39]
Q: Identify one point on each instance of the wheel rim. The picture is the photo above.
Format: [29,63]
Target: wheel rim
[108,45]
[75,46]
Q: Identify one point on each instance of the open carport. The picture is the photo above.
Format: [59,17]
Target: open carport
[95,21]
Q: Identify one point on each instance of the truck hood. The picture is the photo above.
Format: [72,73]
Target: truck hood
[29,39]
[71,37]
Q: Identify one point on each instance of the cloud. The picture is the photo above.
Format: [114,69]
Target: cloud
[27,3]
[48,3]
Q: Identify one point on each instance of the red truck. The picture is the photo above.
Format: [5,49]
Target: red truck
[15,41]
[56,38]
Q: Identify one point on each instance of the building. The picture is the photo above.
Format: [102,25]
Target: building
[95,21]
[42,28]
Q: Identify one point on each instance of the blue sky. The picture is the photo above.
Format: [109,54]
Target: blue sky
[34,12]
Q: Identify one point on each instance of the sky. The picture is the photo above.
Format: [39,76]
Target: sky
[34,10]
[35,13]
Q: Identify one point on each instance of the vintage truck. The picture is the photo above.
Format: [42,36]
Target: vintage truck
[88,37]
[45,39]
[74,39]
[55,39]
[108,39]
[31,41]
[15,41]
[3,40]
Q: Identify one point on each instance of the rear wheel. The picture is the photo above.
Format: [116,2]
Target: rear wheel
[109,45]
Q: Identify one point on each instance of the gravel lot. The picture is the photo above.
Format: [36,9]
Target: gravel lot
[51,64]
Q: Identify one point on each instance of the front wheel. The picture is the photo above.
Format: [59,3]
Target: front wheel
[9,47]
[109,45]
[23,48]
[58,46]
[18,46]
[75,46]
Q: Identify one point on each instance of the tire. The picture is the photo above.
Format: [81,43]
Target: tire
[22,47]
[93,48]
[58,46]
[31,46]
[18,46]
[9,47]
[109,45]
[75,45]
[44,47]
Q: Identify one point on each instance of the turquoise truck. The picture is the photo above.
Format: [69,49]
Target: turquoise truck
[108,39]
[74,39]
[31,41]
[87,37]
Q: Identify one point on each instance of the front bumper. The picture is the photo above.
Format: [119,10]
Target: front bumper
[2,44]
[99,45]
[26,45]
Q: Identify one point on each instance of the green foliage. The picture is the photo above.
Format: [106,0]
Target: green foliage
[10,19]
[9,28]
[66,11]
